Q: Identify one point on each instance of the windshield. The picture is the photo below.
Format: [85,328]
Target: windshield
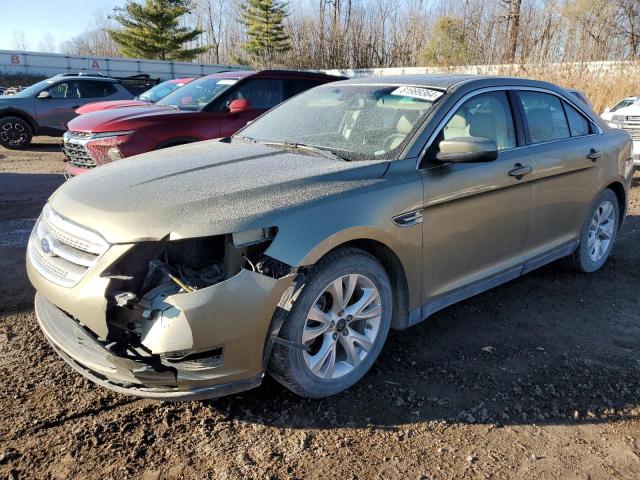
[357,122]
[33,89]
[161,90]
[197,94]
[624,103]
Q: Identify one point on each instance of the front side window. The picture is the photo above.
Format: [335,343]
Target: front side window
[486,115]
[544,116]
[64,90]
[358,122]
[263,94]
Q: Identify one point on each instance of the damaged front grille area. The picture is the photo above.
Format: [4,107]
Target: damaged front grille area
[62,251]
[152,272]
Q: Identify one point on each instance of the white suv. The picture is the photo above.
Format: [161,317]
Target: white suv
[626,115]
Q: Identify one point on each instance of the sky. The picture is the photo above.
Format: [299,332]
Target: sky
[61,18]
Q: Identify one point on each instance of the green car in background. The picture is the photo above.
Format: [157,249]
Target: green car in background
[294,246]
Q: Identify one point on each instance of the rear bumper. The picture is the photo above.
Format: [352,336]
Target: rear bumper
[91,359]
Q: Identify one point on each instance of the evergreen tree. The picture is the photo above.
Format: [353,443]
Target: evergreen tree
[448,44]
[264,21]
[152,30]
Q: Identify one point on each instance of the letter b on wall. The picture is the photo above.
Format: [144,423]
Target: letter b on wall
[15,59]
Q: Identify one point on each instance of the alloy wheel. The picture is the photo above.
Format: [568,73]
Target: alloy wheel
[601,231]
[13,134]
[342,326]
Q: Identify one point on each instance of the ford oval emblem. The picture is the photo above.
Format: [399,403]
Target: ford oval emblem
[46,246]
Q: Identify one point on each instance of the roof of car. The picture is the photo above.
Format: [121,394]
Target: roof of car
[288,73]
[447,82]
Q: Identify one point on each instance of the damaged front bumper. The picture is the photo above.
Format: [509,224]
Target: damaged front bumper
[233,317]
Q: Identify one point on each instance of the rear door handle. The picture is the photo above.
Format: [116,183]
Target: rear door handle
[594,155]
[520,171]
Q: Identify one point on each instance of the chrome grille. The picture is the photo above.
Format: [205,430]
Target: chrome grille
[632,125]
[63,251]
[74,147]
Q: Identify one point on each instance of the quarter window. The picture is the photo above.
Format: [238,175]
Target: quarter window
[545,117]
[578,125]
[486,115]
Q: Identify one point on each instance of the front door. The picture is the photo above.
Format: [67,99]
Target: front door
[476,216]
[64,97]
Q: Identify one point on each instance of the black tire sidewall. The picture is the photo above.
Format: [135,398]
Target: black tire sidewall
[27,128]
[584,262]
[308,384]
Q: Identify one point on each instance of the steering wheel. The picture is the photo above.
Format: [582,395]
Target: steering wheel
[391,139]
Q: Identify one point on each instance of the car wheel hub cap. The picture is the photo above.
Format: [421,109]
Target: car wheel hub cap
[601,231]
[13,134]
[342,326]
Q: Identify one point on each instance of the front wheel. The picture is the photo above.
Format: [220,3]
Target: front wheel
[15,133]
[598,234]
[340,318]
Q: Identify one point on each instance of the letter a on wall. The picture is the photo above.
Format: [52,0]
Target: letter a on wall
[95,65]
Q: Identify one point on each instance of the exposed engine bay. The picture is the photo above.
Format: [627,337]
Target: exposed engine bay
[144,281]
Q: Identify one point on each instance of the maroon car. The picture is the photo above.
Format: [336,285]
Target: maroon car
[213,106]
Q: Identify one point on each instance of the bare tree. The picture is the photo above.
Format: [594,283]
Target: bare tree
[19,40]
[47,43]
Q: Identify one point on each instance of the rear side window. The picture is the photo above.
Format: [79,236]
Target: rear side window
[578,125]
[96,89]
[545,117]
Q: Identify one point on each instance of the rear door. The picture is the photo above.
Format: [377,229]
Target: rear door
[476,216]
[567,163]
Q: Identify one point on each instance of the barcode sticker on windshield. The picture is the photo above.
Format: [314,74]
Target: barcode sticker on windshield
[418,92]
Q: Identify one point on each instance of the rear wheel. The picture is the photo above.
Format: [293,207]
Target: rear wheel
[598,234]
[15,133]
[341,317]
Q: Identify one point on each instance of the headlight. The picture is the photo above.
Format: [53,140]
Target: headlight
[103,147]
[618,118]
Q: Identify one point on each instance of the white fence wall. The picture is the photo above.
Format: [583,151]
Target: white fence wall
[602,68]
[49,64]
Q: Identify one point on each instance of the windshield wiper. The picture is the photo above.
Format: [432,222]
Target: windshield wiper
[325,152]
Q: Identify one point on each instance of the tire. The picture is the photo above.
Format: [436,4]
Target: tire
[15,133]
[605,211]
[293,367]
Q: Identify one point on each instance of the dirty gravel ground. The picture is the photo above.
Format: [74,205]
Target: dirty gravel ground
[539,378]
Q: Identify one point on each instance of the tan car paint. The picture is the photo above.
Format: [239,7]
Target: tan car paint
[480,228]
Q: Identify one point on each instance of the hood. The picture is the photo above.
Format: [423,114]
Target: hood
[97,106]
[130,118]
[205,188]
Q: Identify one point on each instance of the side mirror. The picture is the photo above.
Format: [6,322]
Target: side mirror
[607,110]
[240,105]
[467,150]
[44,94]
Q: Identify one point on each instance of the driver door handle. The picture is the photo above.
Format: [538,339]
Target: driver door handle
[520,171]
